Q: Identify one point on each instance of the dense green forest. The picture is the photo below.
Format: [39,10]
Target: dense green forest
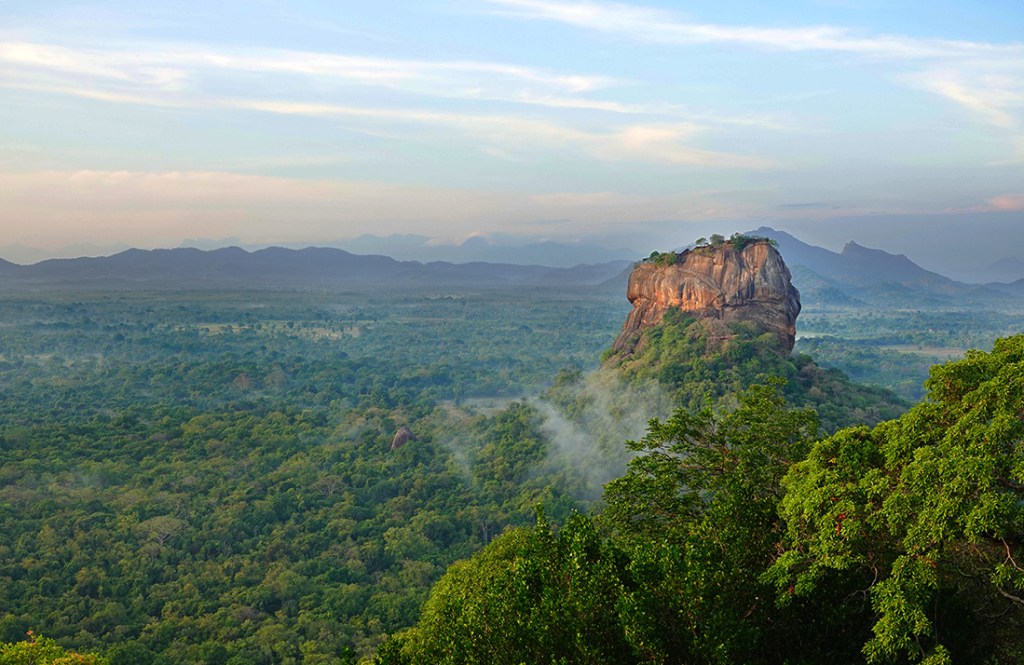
[894,347]
[739,536]
[207,477]
[678,355]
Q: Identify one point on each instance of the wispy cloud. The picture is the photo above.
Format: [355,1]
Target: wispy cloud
[174,76]
[1009,202]
[172,68]
[984,78]
[140,70]
[83,90]
[505,136]
[647,142]
[996,96]
[991,91]
[147,70]
[657,25]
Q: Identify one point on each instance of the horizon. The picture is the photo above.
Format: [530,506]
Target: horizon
[619,125]
[419,249]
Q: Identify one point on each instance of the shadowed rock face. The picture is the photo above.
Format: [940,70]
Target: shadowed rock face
[717,284]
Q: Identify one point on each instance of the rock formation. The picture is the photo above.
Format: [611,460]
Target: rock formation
[719,285]
[402,436]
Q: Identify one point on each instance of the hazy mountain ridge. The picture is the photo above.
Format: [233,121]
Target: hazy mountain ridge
[863,275]
[312,265]
[493,248]
[486,249]
[1006,270]
[856,276]
[1013,288]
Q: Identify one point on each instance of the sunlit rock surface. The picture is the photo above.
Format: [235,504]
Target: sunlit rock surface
[719,285]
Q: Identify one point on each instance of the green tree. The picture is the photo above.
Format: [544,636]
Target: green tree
[696,511]
[130,653]
[38,650]
[928,511]
[530,596]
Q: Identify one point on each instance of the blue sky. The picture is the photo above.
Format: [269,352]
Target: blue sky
[149,123]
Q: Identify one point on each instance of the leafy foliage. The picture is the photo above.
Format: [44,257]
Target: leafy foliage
[530,596]
[206,478]
[696,512]
[899,543]
[673,580]
[38,650]
[680,354]
[198,477]
[669,258]
[930,509]
[897,347]
[738,241]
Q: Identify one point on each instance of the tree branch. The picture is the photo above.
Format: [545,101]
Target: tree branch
[1016,599]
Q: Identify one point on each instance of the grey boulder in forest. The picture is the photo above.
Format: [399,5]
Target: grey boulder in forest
[402,436]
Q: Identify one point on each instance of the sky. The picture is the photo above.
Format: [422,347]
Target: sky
[616,123]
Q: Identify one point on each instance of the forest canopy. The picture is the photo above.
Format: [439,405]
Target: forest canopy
[208,478]
[734,536]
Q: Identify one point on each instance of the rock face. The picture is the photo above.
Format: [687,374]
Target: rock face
[402,436]
[719,285]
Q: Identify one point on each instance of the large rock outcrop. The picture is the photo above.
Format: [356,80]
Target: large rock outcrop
[719,285]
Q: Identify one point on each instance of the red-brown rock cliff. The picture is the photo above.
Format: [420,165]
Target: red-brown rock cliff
[715,284]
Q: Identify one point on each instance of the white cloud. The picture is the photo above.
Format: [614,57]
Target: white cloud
[169,69]
[138,69]
[503,136]
[578,199]
[985,78]
[663,143]
[173,77]
[657,25]
[996,97]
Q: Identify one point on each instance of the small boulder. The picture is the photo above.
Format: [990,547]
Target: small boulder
[403,436]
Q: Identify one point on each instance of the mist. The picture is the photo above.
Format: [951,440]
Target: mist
[606,411]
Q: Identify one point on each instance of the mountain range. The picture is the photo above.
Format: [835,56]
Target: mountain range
[857,276]
[494,248]
[233,267]
[861,275]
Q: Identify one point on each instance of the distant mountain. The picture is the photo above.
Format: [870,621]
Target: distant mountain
[1006,270]
[959,247]
[402,247]
[6,267]
[233,267]
[486,249]
[870,276]
[1012,288]
[871,266]
[856,276]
